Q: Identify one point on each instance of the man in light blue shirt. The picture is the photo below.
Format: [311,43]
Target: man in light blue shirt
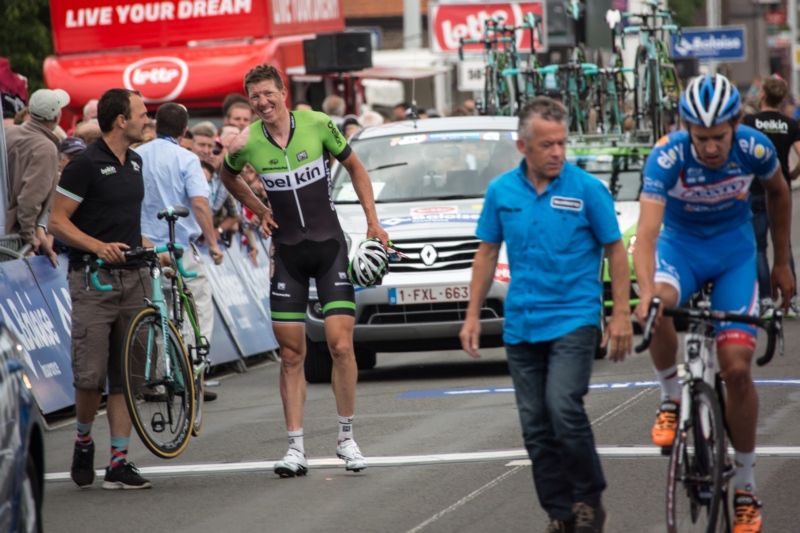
[173,176]
[556,221]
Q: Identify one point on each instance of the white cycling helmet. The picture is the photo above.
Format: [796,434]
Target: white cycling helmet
[370,263]
[709,100]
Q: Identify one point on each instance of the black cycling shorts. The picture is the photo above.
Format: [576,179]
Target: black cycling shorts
[293,266]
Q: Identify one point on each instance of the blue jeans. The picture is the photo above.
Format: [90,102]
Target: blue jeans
[550,380]
[761,229]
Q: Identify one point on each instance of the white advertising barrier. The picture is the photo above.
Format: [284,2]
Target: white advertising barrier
[35,305]
[244,315]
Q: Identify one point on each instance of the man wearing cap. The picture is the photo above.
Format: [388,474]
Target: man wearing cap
[33,170]
[68,149]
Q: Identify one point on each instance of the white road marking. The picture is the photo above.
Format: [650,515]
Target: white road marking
[463,501]
[652,451]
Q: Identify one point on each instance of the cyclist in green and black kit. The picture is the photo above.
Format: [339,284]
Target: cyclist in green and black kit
[290,151]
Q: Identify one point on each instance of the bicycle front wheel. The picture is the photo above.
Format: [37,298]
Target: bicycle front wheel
[159,385]
[695,482]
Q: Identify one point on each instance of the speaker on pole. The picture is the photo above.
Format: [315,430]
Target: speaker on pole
[338,52]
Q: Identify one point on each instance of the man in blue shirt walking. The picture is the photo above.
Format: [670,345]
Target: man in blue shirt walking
[556,220]
[173,176]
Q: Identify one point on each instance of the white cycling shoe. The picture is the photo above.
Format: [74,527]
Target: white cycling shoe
[348,451]
[293,464]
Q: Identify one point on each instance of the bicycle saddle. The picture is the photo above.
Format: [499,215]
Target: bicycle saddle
[173,212]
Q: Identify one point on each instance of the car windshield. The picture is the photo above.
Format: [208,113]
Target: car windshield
[430,166]
[622,173]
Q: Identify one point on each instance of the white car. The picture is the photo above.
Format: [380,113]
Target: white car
[429,178]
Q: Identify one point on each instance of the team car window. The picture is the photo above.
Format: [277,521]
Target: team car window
[408,168]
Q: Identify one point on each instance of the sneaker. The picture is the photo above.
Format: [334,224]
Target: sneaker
[348,451]
[82,470]
[767,308]
[589,519]
[747,511]
[663,432]
[561,526]
[124,477]
[793,311]
[293,464]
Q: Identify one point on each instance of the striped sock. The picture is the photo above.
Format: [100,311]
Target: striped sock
[345,428]
[119,451]
[84,437]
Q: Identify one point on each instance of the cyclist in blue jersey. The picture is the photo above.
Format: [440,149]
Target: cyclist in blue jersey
[696,182]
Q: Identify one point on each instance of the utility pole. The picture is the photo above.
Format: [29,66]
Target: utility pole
[713,20]
[412,24]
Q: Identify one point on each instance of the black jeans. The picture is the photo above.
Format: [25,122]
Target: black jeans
[550,380]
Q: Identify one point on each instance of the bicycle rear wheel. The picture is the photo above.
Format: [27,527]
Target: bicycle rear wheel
[197,358]
[159,390]
[696,489]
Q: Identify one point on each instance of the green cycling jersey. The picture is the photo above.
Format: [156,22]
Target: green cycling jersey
[296,177]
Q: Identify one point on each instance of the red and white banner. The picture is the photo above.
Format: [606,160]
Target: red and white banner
[98,25]
[451,22]
[195,77]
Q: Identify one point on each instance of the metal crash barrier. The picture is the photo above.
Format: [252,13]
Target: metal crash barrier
[35,304]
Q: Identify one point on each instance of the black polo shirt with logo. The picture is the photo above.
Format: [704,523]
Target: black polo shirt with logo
[783,131]
[110,196]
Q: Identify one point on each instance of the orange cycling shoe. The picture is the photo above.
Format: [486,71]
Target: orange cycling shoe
[747,511]
[663,432]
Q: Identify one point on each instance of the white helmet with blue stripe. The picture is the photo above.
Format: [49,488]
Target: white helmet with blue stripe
[709,100]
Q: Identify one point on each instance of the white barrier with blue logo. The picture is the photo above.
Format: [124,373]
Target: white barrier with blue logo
[35,305]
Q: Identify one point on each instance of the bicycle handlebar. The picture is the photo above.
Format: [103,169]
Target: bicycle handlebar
[773,327]
[147,254]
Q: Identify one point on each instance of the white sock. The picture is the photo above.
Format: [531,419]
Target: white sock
[743,478]
[670,386]
[345,428]
[296,440]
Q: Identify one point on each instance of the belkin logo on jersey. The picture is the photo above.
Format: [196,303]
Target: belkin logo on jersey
[772,126]
[297,179]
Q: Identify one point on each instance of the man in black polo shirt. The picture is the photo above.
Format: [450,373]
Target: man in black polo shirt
[97,213]
[784,133]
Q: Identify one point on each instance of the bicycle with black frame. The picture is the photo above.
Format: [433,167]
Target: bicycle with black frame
[700,467]
[163,376]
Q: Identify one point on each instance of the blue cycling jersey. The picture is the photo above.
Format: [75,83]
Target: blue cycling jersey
[701,201]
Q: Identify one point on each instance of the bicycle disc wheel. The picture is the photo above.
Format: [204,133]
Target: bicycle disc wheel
[695,480]
[159,391]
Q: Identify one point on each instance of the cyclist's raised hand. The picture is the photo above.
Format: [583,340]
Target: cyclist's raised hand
[783,283]
[112,252]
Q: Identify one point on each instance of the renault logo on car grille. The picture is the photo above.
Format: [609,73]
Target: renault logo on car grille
[428,254]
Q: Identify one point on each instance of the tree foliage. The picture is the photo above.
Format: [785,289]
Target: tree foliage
[25,37]
[688,12]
